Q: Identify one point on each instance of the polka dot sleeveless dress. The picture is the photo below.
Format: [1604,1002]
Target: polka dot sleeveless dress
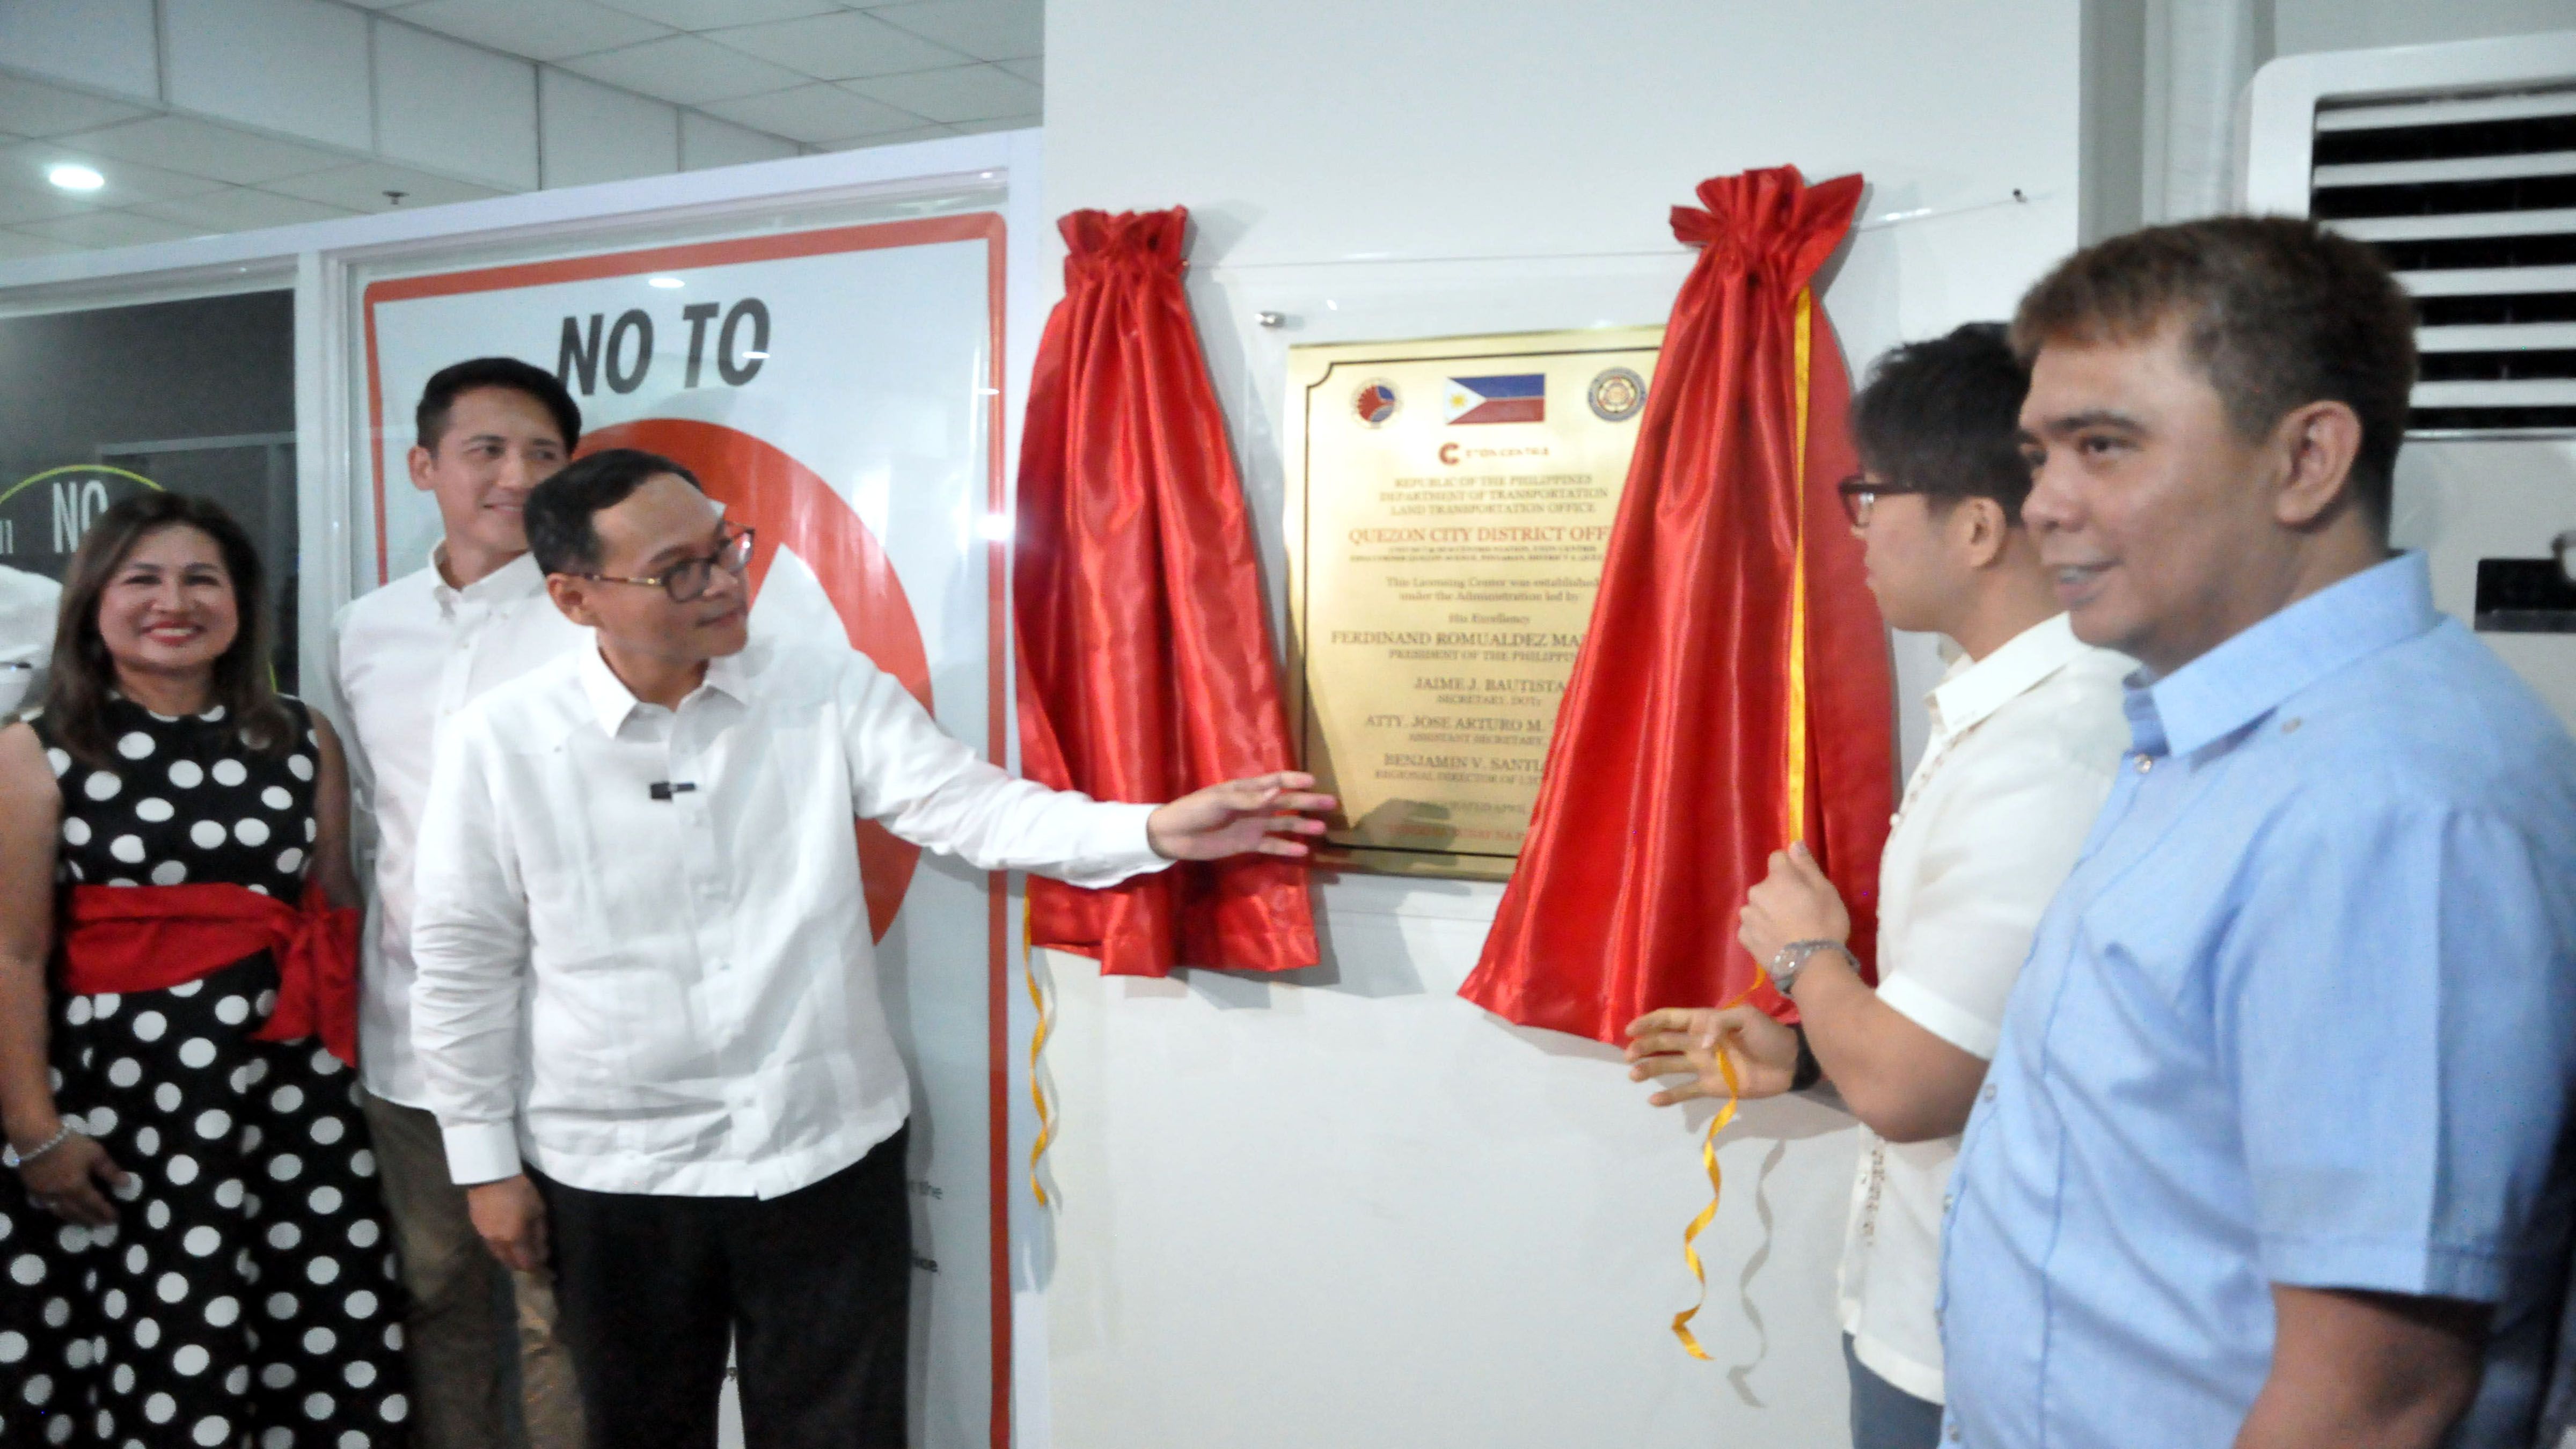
[246,1295]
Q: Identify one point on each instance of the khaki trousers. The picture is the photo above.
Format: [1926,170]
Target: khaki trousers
[455,1335]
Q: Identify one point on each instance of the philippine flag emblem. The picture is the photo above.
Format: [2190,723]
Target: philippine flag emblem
[1519,397]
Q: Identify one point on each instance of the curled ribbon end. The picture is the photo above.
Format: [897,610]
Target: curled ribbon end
[1716,1185]
[1037,1087]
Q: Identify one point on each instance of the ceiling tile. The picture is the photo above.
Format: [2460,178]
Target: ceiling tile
[454,108]
[1032,69]
[965,93]
[14,244]
[984,29]
[706,141]
[39,202]
[537,29]
[30,109]
[363,188]
[998,123]
[709,14]
[686,69]
[843,46]
[814,113]
[24,165]
[893,138]
[203,148]
[239,208]
[108,229]
[104,45]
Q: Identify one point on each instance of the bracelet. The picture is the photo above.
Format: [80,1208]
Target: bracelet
[12,1158]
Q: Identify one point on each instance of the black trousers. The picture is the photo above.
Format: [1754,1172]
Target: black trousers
[813,1289]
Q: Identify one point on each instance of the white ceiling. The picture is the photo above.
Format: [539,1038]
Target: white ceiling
[830,73]
[805,74]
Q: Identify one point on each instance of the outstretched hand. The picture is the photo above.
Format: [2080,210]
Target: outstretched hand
[1685,1041]
[1256,813]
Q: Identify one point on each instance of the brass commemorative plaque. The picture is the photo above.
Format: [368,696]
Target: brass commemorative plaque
[1449,504]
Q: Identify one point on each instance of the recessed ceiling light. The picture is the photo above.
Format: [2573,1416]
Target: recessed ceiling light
[667,283]
[71,176]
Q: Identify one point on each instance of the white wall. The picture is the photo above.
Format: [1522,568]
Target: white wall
[1352,1209]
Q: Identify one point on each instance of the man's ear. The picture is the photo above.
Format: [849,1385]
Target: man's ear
[419,459]
[1977,525]
[572,596]
[2318,443]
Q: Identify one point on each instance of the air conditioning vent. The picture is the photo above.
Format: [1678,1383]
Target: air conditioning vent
[2472,199]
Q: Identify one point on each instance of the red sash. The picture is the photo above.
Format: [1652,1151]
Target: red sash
[151,938]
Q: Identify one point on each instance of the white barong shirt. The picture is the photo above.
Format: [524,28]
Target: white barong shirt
[2025,743]
[679,995]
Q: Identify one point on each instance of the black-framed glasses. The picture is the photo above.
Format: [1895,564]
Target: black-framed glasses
[1860,492]
[686,581]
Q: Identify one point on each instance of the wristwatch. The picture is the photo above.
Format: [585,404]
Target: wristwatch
[1792,959]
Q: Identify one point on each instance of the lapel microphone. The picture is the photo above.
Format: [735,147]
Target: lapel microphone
[665,789]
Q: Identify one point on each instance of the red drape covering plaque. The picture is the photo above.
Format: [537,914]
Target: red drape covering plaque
[1732,692]
[1146,669]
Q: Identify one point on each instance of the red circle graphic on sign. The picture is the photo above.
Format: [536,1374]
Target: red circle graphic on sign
[788,505]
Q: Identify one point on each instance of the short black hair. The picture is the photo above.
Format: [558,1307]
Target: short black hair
[2278,311]
[459,378]
[559,511]
[1943,417]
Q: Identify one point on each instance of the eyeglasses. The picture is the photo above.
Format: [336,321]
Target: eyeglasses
[686,582]
[1860,491]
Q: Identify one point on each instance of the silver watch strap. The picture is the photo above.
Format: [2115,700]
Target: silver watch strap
[1792,959]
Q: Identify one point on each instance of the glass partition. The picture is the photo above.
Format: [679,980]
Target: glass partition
[195,395]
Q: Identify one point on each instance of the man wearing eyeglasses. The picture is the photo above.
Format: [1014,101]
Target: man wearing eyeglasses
[648,1003]
[2026,736]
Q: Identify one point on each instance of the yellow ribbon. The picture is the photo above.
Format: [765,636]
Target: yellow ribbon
[1793,809]
[1716,1183]
[1037,1044]
[1794,798]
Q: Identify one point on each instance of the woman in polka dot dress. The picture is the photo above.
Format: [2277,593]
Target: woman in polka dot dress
[199,1255]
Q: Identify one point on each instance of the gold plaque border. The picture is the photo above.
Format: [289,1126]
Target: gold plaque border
[1310,367]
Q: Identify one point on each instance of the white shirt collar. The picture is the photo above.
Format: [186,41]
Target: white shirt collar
[612,702]
[520,578]
[1976,689]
